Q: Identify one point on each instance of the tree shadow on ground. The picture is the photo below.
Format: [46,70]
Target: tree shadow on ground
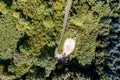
[88,71]
[8,2]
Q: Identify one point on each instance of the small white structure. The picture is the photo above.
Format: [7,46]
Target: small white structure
[68,48]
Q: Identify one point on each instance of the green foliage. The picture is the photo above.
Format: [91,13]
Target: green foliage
[3,8]
[9,36]
[30,29]
[36,73]
[48,64]
[88,26]
[20,65]
[1,69]
[70,75]
[41,18]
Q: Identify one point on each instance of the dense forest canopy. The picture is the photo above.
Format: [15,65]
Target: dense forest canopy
[30,30]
